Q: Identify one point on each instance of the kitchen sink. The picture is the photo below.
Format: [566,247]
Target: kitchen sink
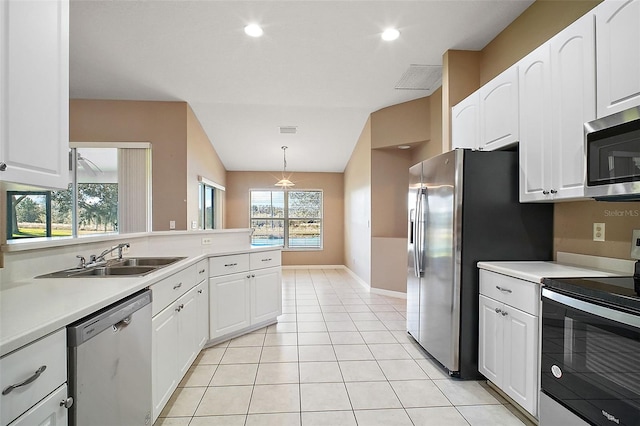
[147,261]
[125,267]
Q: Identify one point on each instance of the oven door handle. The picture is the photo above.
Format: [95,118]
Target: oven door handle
[592,308]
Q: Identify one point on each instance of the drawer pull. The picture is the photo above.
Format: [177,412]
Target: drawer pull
[504,314]
[180,307]
[230,264]
[177,286]
[267,260]
[200,291]
[498,311]
[37,374]
[505,290]
[201,271]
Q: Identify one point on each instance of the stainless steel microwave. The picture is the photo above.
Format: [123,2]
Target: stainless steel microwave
[613,156]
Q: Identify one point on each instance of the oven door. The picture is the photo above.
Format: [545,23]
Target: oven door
[591,359]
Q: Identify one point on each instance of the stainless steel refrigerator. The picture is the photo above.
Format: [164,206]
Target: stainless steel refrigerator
[463,208]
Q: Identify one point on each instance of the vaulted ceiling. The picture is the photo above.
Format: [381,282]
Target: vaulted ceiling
[320,66]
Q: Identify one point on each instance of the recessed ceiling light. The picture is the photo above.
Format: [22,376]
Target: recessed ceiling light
[390,34]
[253,30]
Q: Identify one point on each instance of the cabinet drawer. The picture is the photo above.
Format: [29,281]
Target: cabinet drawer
[224,265]
[265,259]
[520,294]
[166,291]
[49,353]
[202,270]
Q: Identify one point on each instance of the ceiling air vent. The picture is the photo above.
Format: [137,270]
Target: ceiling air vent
[288,130]
[421,77]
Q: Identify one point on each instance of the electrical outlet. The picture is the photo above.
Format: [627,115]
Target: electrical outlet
[172,224]
[206,241]
[598,232]
[635,244]
[194,224]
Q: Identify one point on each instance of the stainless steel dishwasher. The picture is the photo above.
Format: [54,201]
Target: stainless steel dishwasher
[110,364]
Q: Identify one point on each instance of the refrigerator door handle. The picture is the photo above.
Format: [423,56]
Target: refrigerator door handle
[419,233]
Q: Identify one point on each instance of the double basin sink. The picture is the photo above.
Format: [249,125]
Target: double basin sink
[125,267]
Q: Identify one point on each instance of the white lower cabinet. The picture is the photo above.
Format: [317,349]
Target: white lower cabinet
[250,296]
[508,338]
[229,301]
[33,380]
[51,411]
[177,334]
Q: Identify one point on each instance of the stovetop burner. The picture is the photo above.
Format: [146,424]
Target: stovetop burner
[619,291]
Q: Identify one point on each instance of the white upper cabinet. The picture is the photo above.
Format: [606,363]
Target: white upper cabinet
[465,123]
[618,55]
[34,92]
[535,124]
[557,96]
[499,111]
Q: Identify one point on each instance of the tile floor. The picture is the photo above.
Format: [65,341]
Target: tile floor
[338,355]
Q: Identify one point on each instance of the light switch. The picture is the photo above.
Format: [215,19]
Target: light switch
[172,224]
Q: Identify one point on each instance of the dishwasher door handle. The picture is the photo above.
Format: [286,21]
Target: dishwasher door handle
[122,324]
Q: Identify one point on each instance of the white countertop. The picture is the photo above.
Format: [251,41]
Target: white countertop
[32,308]
[535,271]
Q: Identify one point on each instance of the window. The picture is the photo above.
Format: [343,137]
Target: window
[209,204]
[292,219]
[108,194]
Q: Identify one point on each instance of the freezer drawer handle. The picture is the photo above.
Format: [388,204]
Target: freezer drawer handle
[37,374]
[231,264]
[506,290]
[67,402]
[267,259]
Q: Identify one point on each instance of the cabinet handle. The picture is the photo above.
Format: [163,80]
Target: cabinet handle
[177,286]
[267,260]
[545,192]
[498,311]
[37,374]
[180,307]
[248,276]
[504,314]
[231,264]
[253,275]
[505,290]
[67,403]
[201,271]
[200,291]
[553,191]
[3,166]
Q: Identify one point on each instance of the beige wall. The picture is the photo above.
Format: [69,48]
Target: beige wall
[434,145]
[332,185]
[163,124]
[202,160]
[357,207]
[401,124]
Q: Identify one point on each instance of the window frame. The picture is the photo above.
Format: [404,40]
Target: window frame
[286,219]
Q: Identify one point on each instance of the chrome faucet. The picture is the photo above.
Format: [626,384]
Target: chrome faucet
[93,259]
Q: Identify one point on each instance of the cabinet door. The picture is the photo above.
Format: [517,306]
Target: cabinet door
[535,125]
[164,357]
[465,123]
[573,95]
[499,111]
[34,92]
[490,341]
[520,368]
[618,55]
[229,298]
[48,412]
[266,294]
[202,315]
[187,331]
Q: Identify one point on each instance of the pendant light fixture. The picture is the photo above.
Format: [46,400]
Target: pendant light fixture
[284,182]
